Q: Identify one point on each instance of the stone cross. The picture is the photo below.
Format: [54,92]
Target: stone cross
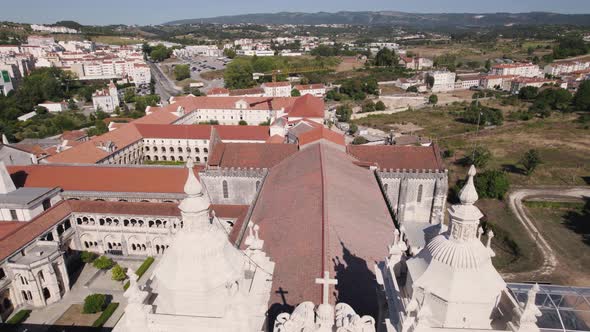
[326,282]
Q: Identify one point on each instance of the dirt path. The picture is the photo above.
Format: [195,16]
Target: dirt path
[550,259]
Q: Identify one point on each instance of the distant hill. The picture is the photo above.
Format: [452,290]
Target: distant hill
[398,18]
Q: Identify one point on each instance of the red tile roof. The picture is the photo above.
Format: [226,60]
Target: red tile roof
[307,106]
[276,84]
[398,157]
[133,208]
[31,230]
[317,134]
[303,87]
[102,178]
[318,211]
[248,155]
[242,133]
[191,103]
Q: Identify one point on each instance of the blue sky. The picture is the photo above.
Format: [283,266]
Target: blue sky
[158,11]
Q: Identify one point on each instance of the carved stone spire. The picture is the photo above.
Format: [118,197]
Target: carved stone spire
[465,216]
[195,207]
[468,195]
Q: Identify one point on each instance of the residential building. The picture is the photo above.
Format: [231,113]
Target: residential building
[316,90]
[442,81]
[559,68]
[106,100]
[54,107]
[516,69]
[276,89]
[467,81]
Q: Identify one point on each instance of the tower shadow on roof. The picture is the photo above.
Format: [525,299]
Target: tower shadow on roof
[357,285]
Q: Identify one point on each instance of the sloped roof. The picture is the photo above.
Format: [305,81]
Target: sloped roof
[319,134]
[255,133]
[248,155]
[307,106]
[191,103]
[398,157]
[102,178]
[318,211]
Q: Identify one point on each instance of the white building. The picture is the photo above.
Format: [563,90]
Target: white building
[316,90]
[499,82]
[566,67]
[255,52]
[276,89]
[52,29]
[467,81]
[517,69]
[107,100]
[199,50]
[54,107]
[443,81]
[416,63]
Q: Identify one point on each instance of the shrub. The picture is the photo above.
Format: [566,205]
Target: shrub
[87,256]
[19,317]
[106,314]
[353,128]
[530,161]
[369,106]
[103,263]
[94,303]
[492,184]
[479,157]
[182,72]
[119,273]
[380,106]
[295,93]
[413,88]
[359,140]
[243,123]
[433,99]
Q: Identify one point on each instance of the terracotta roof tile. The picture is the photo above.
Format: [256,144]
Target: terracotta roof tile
[254,133]
[307,106]
[398,157]
[319,134]
[101,178]
[248,155]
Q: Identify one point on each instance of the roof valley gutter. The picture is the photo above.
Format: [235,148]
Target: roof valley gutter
[324,214]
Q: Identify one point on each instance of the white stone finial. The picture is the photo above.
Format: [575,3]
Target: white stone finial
[6,183]
[5,139]
[479,232]
[489,243]
[528,316]
[253,241]
[192,187]
[468,195]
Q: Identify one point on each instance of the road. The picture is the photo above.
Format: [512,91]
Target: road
[165,88]
[515,199]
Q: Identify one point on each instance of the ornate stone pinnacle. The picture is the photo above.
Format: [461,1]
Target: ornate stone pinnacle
[468,195]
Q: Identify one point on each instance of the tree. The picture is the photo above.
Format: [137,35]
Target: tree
[119,273]
[479,157]
[87,256]
[528,93]
[353,128]
[243,123]
[182,72]
[492,184]
[581,101]
[385,58]
[433,99]
[344,112]
[413,89]
[488,65]
[238,75]
[530,161]
[572,45]
[94,303]
[160,53]
[380,106]
[103,263]
[295,93]
[368,106]
[360,140]
[230,53]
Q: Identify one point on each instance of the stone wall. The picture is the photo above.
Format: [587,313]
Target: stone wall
[232,186]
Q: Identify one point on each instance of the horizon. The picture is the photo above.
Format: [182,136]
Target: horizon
[149,12]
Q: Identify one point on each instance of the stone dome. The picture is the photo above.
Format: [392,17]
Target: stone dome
[458,255]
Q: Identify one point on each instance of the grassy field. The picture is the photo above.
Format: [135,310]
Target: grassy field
[567,230]
[515,250]
[117,40]
[563,144]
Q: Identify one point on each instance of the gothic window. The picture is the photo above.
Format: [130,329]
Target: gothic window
[188,149]
[41,276]
[25,295]
[420,188]
[197,159]
[180,158]
[225,189]
[172,158]
[163,149]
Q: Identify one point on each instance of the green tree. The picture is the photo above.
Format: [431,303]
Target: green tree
[488,65]
[581,101]
[530,161]
[295,93]
[492,184]
[413,89]
[103,263]
[243,123]
[94,303]
[238,75]
[353,128]
[182,72]
[480,157]
[368,106]
[344,112]
[380,106]
[433,99]
[230,53]
[119,273]
[528,93]
[385,58]
[160,53]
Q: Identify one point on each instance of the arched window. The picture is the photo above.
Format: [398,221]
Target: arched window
[197,159]
[171,149]
[180,158]
[225,189]
[41,276]
[420,188]
[188,149]
[205,150]
[197,150]
[155,149]
[179,149]
[172,158]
